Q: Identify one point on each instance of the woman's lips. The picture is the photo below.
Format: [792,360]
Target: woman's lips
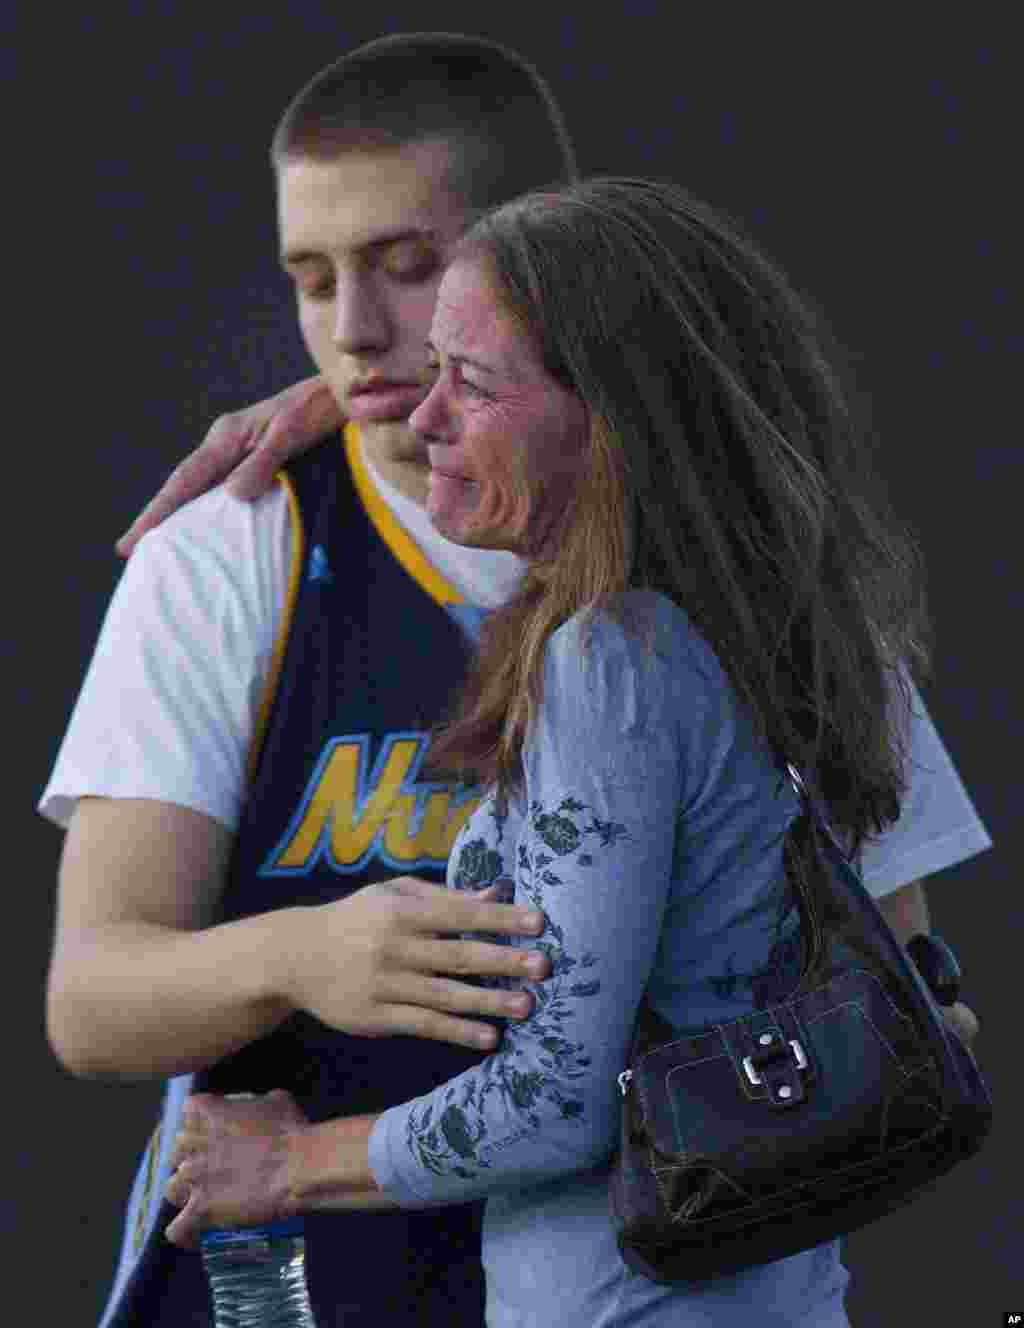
[447,491]
[451,475]
[442,463]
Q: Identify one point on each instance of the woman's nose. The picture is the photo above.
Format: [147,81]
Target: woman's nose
[430,418]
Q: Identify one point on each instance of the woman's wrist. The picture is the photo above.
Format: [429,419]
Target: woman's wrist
[331,1158]
[328,1166]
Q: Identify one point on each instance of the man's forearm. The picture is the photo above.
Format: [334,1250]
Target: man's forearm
[906,911]
[144,1000]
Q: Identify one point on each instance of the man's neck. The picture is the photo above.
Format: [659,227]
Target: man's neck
[398,461]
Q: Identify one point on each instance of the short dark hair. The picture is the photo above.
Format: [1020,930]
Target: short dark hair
[495,109]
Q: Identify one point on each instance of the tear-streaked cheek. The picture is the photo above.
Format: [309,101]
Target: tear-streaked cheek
[505,501]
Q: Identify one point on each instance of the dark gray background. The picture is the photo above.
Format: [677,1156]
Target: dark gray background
[875,161]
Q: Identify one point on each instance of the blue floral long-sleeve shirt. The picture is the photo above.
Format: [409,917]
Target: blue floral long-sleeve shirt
[649,832]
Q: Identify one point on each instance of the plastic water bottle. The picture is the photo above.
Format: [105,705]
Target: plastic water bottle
[258,1276]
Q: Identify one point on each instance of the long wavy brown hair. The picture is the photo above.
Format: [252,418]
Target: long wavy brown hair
[726,469]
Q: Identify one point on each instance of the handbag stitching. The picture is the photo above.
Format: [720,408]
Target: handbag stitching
[762,1095]
[756,1093]
[803,1203]
[678,1215]
[781,1194]
[868,1020]
[690,1065]
[887,1104]
[719,1029]
[789,1004]
[882,991]
[908,1075]
[942,1122]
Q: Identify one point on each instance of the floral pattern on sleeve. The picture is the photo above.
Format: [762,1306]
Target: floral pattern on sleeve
[539,1061]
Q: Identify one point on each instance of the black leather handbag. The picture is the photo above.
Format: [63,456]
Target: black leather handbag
[746,1142]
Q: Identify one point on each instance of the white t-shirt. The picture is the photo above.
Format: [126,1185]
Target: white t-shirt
[170,702]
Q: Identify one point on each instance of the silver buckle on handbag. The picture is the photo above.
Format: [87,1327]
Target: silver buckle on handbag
[798,1055]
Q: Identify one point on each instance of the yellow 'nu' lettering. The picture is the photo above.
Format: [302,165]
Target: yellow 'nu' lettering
[333,803]
[437,831]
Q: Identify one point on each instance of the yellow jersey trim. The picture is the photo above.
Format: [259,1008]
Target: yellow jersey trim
[426,576]
[277,660]
[399,542]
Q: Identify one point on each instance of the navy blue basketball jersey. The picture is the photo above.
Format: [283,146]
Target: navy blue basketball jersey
[367,660]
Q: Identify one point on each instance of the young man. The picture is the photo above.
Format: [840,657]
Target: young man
[245,751]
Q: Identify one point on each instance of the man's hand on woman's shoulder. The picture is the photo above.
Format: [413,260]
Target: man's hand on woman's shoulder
[250,446]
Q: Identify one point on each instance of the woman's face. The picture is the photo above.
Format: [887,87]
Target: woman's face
[505,441]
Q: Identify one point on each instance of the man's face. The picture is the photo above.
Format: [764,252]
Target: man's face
[365,238]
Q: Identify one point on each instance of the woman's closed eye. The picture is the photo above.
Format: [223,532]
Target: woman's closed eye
[474,389]
[463,384]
